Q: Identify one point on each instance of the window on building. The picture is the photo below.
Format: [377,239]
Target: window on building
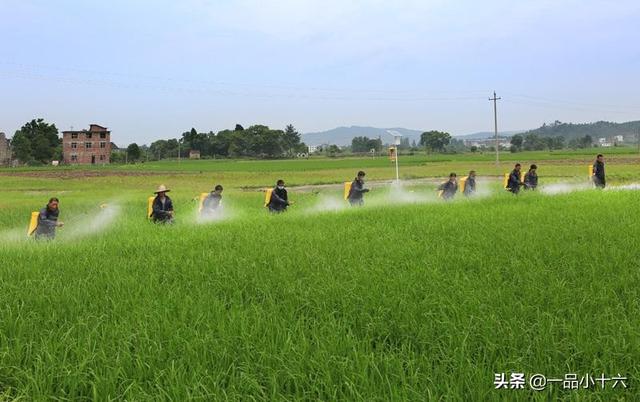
[103,136]
[74,145]
[103,145]
[74,136]
[74,158]
[87,145]
[88,136]
[101,157]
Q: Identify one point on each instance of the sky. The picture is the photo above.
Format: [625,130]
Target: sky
[153,69]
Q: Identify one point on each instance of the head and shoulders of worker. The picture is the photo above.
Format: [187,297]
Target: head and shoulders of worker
[600,159]
[52,207]
[217,192]
[533,170]
[517,168]
[360,177]
[280,187]
[472,176]
[161,193]
[453,179]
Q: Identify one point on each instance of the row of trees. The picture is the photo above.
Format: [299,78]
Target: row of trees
[365,144]
[256,141]
[533,142]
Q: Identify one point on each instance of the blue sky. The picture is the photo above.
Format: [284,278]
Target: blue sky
[153,69]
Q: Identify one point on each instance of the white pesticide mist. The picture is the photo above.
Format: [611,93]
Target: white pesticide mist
[563,188]
[222,213]
[90,224]
[14,235]
[328,203]
[626,187]
[399,194]
[483,190]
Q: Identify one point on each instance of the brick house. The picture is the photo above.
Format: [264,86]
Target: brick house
[87,147]
[5,150]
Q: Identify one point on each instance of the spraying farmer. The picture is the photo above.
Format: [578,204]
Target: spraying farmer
[598,172]
[531,178]
[162,206]
[48,220]
[357,190]
[212,201]
[449,188]
[470,184]
[514,183]
[279,200]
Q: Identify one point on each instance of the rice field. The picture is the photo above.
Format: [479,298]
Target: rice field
[407,298]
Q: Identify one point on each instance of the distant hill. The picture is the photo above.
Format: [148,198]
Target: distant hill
[487,134]
[600,129]
[343,135]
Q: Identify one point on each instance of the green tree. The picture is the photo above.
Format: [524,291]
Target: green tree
[291,139]
[21,147]
[435,141]
[516,142]
[365,144]
[264,142]
[41,139]
[532,142]
[586,141]
[158,149]
[333,150]
[133,152]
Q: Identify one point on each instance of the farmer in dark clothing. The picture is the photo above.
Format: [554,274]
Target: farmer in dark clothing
[162,206]
[598,172]
[531,178]
[48,220]
[449,188]
[470,184]
[279,200]
[356,193]
[212,201]
[514,183]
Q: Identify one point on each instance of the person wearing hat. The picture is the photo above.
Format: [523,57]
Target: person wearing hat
[48,220]
[531,178]
[162,206]
[449,188]
[357,190]
[212,202]
[279,200]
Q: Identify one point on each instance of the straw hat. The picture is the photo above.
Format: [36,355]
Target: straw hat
[161,189]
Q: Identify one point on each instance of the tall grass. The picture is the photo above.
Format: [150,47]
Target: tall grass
[388,302]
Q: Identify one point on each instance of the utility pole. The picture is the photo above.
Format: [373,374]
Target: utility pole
[178,151]
[495,122]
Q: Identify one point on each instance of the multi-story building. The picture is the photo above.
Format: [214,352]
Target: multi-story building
[87,147]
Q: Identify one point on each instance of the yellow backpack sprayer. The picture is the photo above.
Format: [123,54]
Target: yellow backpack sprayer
[150,207]
[267,196]
[347,189]
[33,223]
[463,184]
